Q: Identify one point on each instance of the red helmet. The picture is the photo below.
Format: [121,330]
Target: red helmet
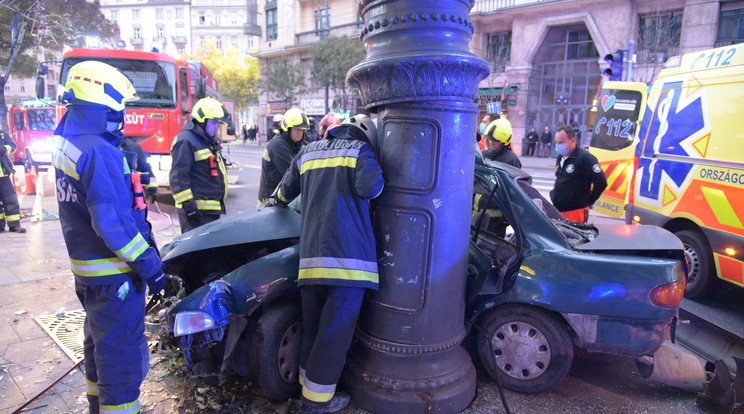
[326,124]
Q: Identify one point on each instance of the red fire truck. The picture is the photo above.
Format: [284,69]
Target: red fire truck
[167,90]
[32,126]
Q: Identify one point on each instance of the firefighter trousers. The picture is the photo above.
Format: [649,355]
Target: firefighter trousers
[115,346]
[329,316]
[9,209]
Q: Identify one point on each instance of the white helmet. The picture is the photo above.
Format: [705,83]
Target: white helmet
[367,125]
[277,118]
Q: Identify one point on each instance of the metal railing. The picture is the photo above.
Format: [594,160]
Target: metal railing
[313,36]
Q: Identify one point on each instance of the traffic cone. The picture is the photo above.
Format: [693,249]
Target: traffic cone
[37,212]
[17,184]
[30,186]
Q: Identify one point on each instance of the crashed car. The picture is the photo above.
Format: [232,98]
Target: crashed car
[536,286]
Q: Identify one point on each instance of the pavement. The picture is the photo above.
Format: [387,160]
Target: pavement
[37,282]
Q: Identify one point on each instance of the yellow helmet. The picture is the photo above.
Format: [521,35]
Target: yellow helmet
[208,108]
[98,83]
[500,130]
[295,118]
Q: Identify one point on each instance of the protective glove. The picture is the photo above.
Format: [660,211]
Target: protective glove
[271,202]
[155,284]
[190,207]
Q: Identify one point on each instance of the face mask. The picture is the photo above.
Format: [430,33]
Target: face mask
[482,128]
[561,149]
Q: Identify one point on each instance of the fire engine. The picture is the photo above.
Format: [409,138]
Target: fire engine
[167,89]
[673,154]
[32,127]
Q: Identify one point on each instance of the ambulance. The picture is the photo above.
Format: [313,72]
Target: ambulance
[673,154]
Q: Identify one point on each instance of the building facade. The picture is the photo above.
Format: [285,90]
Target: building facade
[289,29]
[547,56]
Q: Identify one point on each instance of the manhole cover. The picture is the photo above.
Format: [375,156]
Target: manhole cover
[66,331]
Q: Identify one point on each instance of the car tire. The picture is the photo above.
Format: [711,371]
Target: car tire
[701,278]
[274,353]
[532,348]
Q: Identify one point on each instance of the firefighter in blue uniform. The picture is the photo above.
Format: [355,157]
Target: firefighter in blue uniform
[337,177]
[104,223]
[9,208]
[198,178]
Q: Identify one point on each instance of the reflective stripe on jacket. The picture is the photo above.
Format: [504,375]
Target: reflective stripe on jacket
[7,147]
[337,177]
[191,174]
[107,239]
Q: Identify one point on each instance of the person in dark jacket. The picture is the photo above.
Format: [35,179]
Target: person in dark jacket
[531,139]
[337,177]
[498,137]
[9,208]
[107,235]
[198,178]
[546,139]
[579,178]
[280,151]
[133,150]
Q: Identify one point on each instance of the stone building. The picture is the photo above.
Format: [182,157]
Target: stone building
[547,55]
[290,29]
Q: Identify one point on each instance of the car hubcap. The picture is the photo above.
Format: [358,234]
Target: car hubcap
[693,263]
[288,354]
[521,350]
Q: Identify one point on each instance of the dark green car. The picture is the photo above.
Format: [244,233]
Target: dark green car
[537,286]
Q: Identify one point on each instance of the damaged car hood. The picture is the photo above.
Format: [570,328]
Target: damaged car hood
[241,228]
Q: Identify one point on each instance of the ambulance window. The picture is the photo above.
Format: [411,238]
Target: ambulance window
[617,114]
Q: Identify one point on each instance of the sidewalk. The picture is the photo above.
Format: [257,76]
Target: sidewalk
[36,281]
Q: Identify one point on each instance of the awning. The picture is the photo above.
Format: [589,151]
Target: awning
[495,91]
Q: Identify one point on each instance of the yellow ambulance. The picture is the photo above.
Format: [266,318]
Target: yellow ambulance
[673,155]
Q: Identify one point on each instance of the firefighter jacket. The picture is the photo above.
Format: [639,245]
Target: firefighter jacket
[276,159]
[7,147]
[579,181]
[108,240]
[198,178]
[503,154]
[337,177]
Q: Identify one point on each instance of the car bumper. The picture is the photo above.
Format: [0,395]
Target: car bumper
[625,337]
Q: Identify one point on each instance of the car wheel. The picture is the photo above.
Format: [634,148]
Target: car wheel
[701,278]
[531,348]
[275,352]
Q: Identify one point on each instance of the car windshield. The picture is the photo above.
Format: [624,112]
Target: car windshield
[575,233]
[41,119]
[154,81]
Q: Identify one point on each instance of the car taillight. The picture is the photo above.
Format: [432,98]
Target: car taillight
[669,295]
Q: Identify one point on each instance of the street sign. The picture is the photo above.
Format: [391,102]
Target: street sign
[493,107]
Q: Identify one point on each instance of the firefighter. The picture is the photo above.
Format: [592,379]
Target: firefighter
[198,178]
[276,125]
[326,124]
[280,151]
[498,142]
[337,177]
[9,207]
[105,227]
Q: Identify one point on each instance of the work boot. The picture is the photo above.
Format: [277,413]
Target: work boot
[17,229]
[339,401]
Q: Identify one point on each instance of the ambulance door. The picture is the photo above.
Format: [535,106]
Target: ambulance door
[614,140]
